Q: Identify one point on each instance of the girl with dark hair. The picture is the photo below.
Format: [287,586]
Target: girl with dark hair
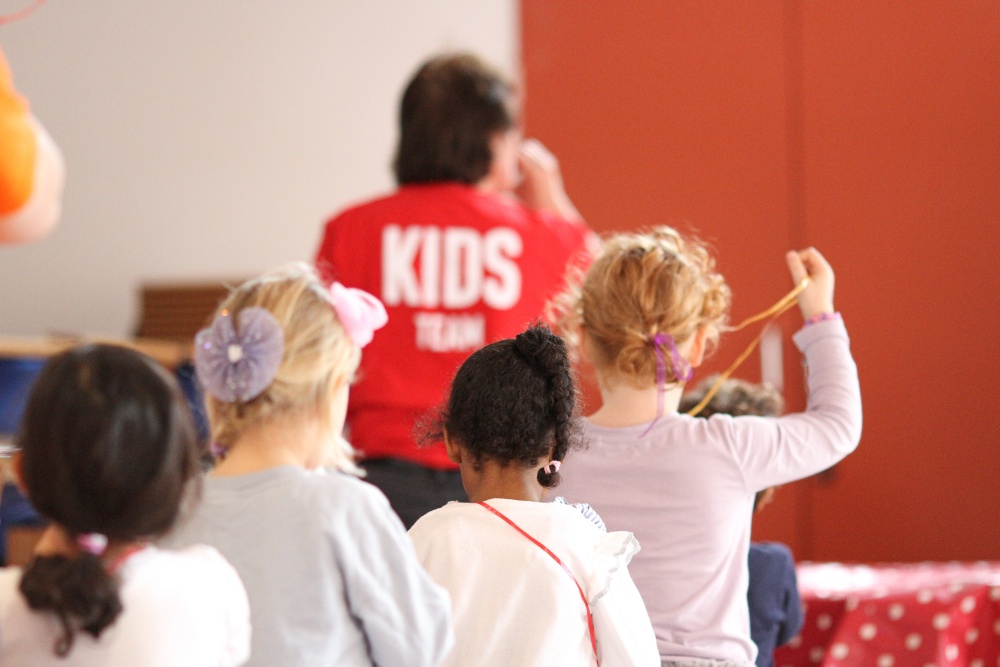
[531,583]
[107,451]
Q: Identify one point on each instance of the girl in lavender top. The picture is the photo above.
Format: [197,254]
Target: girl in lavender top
[646,313]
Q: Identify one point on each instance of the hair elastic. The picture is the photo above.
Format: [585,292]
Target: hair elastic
[553,467]
[217,451]
[677,362]
[92,543]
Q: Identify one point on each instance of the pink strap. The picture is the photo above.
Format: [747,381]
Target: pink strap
[590,617]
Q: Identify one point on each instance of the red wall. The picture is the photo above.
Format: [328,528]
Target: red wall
[870,130]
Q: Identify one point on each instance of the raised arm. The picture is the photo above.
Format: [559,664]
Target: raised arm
[542,184]
[770,452]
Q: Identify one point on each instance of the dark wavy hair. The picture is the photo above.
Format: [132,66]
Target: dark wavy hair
[513,402]
[450,110]
[107,446]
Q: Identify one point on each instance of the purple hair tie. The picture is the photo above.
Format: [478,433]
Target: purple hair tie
[92,543]
[239,367]
[217,451]
[676,361]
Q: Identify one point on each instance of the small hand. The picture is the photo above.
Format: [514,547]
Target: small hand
[817,297]
[542,184]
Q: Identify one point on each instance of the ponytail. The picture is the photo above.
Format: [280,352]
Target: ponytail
[513,401]
[547,353]
[81,593]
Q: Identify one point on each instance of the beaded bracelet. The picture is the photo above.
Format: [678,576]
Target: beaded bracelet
[822,317]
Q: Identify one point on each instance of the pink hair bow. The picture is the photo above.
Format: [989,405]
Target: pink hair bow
[361,313]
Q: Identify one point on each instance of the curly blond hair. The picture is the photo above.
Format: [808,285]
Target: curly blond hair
[319,356]
[642,284]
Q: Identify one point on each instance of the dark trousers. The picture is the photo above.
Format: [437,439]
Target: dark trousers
[413,490]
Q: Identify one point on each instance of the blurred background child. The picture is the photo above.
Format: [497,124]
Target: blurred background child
[508,424]
[107,451]
[646,313]
[772,594]
[331,575]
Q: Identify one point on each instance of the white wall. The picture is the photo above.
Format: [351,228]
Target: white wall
[211,138]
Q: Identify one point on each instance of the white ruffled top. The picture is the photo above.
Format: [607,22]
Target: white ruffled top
[514,605]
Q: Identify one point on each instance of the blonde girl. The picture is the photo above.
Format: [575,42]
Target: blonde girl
[331,575]
[646,313]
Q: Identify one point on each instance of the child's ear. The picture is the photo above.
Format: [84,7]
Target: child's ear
[453,450]
[698,345]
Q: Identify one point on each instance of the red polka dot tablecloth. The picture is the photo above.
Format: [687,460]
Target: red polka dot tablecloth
[913,615]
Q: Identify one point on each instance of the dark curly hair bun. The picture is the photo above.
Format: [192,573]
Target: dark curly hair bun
[515,401]
[547,353]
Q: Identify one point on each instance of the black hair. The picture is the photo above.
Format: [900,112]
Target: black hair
[451,109]
[107,446]
[514,401]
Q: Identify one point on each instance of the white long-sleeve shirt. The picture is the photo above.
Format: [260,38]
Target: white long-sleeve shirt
[178,608]
[686,489]
[514,605]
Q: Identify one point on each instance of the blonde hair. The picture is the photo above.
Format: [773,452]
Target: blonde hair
[642,284]
[318,356]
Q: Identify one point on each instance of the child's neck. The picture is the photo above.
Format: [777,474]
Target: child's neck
[624,405]
[284,441]
[495,481]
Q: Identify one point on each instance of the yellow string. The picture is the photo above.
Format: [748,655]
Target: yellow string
[771,314]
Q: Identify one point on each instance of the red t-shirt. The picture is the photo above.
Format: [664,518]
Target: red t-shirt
[457,269]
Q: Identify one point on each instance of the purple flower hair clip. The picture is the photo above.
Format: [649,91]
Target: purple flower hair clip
[359,312]
[239,367]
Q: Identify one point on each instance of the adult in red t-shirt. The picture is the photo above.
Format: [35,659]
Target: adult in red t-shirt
[466,252]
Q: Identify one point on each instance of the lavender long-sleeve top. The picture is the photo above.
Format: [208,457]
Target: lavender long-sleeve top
[686,488]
